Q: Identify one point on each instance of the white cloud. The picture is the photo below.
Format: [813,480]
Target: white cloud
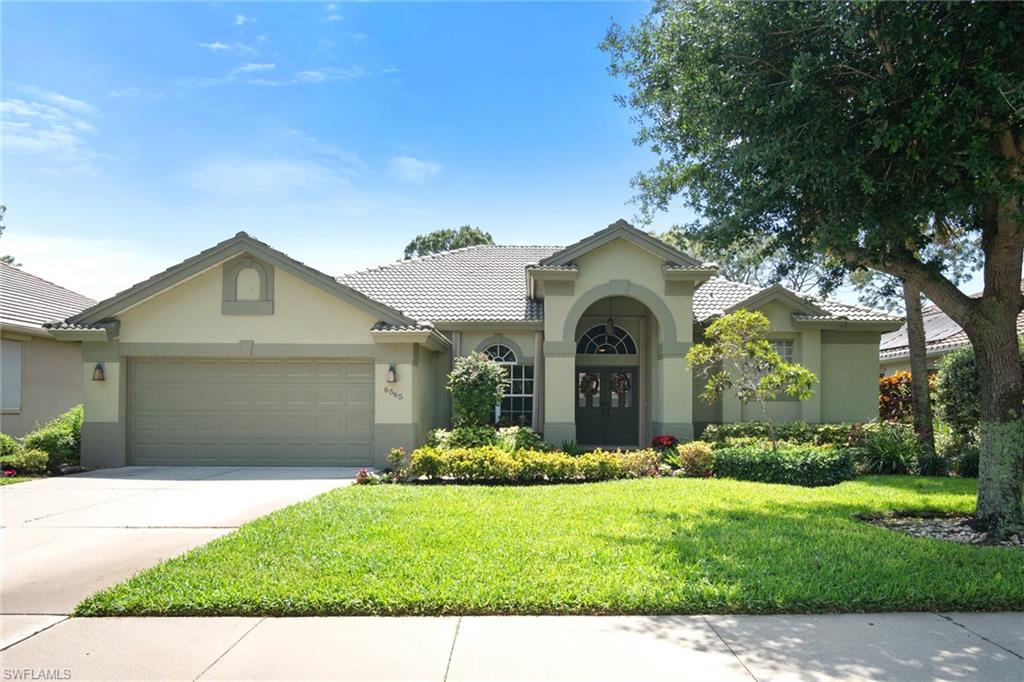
[242,20]
[60,260]
[124,93]
[321,75]
[262,179]
[229,48]
[310,147]
[58,100]
[411,169]
[252,68]
[332,12]
[55,127]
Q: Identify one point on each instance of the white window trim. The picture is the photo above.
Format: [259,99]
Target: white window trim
[13,352]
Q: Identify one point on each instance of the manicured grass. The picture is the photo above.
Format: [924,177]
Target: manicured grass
[640,546]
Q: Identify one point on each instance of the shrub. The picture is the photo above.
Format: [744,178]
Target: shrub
[514,438]
[895,398]
[886,448]
[807,465]
[462,437]
[495,465]
[793,432]
[27,461]
[695,458]
[61,438]
[957,391]
[477,384]
[9,445]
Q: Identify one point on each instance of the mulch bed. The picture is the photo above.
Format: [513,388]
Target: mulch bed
[940,527]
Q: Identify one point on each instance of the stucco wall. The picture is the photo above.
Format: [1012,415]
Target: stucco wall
[849,391]
[51,383]
[191,313]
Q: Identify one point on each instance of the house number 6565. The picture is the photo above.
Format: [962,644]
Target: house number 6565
[393,393]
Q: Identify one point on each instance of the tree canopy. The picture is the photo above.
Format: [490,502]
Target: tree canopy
[446,240]
[858,135]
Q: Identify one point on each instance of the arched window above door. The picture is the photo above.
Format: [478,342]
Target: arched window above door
[597,341]
[501,353]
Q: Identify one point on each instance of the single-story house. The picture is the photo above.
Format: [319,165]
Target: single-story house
[40,377]
[243,355]
[941,334]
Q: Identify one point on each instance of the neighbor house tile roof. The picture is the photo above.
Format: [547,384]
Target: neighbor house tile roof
[30,301]
[940,332]
[488,283]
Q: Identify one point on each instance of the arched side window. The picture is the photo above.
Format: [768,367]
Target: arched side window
[597,341]
[502,354]
[516,406]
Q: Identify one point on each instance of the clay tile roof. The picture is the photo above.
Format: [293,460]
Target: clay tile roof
[30,301]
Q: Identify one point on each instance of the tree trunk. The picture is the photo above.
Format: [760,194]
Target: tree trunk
[920,395]
[1001,465]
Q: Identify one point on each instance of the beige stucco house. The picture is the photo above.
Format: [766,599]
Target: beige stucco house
[40,377]
[243,355]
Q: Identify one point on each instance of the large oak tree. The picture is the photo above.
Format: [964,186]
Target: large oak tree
[857,133]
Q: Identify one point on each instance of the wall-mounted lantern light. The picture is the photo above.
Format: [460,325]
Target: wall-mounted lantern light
[97,372]
[392,374]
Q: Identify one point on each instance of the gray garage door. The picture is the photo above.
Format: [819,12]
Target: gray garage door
[228,412]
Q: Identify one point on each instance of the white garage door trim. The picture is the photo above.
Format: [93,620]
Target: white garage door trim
[295,412]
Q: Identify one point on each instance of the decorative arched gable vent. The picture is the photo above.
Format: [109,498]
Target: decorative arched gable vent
[597,341]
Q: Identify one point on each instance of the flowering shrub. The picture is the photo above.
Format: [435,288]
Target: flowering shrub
[664,442]
[477,384]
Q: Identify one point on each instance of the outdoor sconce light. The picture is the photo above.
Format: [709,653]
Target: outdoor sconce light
[392,375]
[97,372]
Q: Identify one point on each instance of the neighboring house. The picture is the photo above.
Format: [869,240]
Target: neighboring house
[941,334]
[39,377]
[243,355]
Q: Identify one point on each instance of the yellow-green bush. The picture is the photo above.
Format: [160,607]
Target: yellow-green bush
[495,465]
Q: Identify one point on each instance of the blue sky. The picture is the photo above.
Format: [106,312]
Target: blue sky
[138,134]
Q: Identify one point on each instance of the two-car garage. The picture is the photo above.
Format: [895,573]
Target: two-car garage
[294,412]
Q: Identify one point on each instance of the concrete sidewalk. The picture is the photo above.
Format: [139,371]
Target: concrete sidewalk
[912,646]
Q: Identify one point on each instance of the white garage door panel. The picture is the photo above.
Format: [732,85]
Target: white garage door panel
[225,412]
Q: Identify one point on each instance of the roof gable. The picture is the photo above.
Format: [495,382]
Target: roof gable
[241,243]
[780,294]
[621,229]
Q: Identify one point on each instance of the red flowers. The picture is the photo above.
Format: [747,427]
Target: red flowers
[664,441]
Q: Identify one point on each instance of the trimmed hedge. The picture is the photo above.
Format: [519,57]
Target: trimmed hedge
[9,446]
[793,432]
[492,464]
[807,465]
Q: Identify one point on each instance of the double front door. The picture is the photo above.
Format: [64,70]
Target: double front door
[606,406]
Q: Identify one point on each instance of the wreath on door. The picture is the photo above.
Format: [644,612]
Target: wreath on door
[589,384]
[620,383]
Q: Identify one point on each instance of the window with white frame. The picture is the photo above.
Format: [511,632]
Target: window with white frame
[10,375]
[516,407]
[784,347]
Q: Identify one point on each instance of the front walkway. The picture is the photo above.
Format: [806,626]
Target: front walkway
[913,646]
[67,537]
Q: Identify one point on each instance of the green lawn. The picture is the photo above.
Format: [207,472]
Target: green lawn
[642,546]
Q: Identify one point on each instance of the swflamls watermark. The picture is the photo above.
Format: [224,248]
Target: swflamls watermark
[30,674]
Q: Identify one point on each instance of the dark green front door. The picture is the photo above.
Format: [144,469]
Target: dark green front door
[606,409]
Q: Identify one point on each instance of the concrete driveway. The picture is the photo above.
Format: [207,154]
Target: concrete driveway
[67,537]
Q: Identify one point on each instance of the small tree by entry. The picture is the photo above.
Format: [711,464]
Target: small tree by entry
[477,384]
[738,356]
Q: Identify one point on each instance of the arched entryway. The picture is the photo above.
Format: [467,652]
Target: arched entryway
[612,372]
